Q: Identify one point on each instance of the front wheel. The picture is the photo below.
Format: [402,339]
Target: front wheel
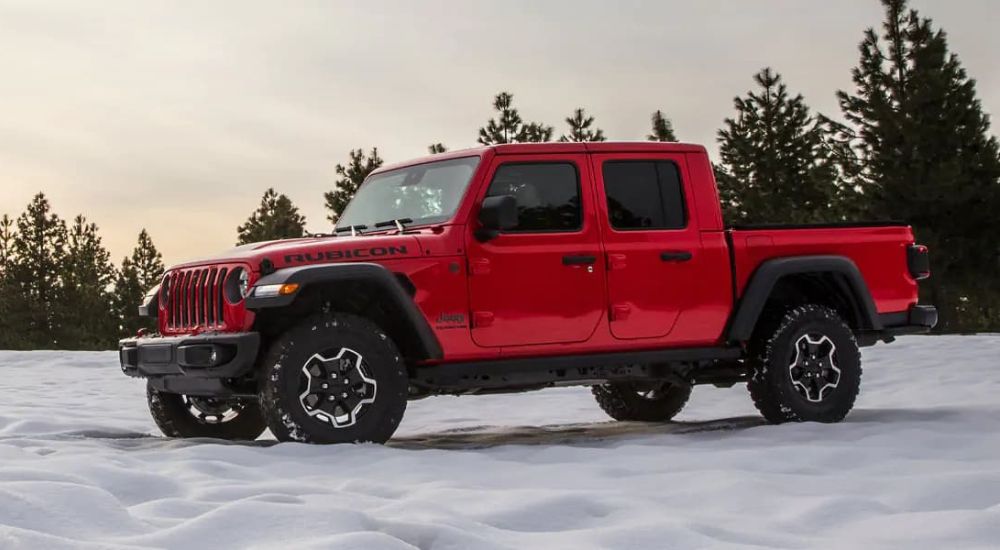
[334,378]
[806,367]
[191,416]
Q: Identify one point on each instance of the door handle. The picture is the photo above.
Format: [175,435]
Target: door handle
[675,255]
[579,260]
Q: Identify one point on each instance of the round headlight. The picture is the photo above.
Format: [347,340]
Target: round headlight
[244,283]
[237,285]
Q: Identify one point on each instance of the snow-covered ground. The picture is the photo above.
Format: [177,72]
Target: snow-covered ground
[916,465]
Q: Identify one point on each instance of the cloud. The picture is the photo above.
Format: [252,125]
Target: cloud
[177,116]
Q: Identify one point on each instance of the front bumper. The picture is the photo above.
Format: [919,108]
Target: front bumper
[201,364]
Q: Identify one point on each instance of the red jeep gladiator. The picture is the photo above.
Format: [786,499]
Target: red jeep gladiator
[519,267]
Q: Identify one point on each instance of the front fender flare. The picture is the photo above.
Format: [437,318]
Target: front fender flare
[343,272]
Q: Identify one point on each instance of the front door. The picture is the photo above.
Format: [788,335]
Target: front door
[653,248]
[543,281]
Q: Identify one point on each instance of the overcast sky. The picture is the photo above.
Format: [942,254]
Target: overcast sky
[176,116]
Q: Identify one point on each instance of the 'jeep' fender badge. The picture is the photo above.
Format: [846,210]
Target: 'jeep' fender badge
[450,320]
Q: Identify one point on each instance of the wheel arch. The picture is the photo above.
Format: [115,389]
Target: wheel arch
[834,281]
[366,289]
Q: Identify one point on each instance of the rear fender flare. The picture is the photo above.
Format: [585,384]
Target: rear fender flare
[767,275]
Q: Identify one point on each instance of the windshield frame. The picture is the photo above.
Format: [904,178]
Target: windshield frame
[418,222]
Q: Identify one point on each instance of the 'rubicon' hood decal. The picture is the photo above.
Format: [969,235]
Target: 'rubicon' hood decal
[345,254]
[294,252]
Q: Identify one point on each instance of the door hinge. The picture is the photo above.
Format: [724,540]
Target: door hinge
[616,261]
[482,319]
[620,312]
[479,266]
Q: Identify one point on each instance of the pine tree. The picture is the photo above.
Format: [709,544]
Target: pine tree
[436,148]
[84,317]
[33,279]
[129,294]
[6,244]
[776,163]
[276,218]
[7,291]
[148,261]
[579,128]
[508,127]
[930,159]
[139,273]
[663,129]
[535,132]
[351,177]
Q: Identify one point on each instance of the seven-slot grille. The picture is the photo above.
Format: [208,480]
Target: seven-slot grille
[196,298]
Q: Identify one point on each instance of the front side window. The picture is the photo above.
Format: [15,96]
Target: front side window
[425,193]
[547,195]
[644,195]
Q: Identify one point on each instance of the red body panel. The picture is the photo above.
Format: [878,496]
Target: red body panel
[879,252]
[518,298]
[520,292]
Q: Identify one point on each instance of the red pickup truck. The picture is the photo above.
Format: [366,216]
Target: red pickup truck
[519,267]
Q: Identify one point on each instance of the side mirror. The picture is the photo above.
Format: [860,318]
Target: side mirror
[496,214]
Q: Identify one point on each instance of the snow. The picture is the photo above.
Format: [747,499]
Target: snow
[916,465]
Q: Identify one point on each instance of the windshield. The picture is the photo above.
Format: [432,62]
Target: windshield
[426,193]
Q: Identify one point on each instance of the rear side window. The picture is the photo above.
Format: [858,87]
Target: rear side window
[547,195]
[644,195]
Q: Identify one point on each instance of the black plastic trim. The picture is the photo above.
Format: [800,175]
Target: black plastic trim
[918,319]
[166,356]
[340,272]
[579,260]
[512,373]
[150,305]
[675,256]
[766,276]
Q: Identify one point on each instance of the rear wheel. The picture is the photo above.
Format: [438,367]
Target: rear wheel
[805,367]
[647,401]
[191,416]
[334,378]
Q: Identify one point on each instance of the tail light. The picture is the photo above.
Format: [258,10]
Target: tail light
[918,261]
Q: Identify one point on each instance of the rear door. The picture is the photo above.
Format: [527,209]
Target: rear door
[651,243]
[541,282]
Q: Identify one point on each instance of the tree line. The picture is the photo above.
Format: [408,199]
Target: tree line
[912,144]
[59,288]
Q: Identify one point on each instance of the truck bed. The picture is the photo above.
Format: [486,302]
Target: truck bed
[878,249]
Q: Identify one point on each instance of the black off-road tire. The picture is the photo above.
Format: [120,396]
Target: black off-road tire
[626,401]
[175,415]
[773,352]
[316,343]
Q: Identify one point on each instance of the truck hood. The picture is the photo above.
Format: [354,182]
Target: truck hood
[309,250]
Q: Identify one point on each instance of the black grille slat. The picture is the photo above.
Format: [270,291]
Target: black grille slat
[210,297]
[201,318]
[221,300]
[186,301]
[171,296]
[196,299]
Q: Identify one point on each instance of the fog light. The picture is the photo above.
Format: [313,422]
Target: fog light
[203,355]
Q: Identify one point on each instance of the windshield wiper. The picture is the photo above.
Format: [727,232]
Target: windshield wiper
[399,223]
[354,229]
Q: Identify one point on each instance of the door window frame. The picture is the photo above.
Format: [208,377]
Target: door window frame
[681,181]
[521,160]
